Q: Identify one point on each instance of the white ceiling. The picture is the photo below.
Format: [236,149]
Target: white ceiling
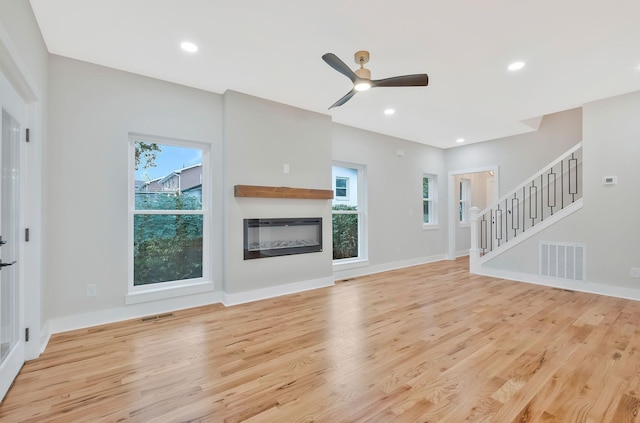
[576,51]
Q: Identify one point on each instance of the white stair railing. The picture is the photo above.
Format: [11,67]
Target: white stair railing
[556,187]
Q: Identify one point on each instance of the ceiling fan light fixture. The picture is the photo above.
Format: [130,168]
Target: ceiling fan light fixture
[362,85]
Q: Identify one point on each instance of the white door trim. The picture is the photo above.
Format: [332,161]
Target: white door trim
[453,207]
[16,71]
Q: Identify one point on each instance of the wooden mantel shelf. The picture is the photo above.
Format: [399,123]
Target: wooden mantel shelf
[282,192]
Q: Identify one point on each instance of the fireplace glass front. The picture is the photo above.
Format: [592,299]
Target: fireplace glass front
[281,237]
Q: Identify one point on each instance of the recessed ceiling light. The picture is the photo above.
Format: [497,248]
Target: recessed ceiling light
[516,66]
[389,111]
[189,47]
[460,140]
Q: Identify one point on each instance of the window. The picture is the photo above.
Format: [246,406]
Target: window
[464,199]
[348,214]
[168,214]
[342,188]
[429,194]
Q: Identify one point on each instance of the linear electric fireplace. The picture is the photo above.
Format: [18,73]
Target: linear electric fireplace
[282,237]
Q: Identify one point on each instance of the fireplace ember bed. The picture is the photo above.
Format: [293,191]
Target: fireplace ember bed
[282,236]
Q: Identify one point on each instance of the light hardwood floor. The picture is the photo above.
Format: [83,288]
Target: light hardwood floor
[430,343]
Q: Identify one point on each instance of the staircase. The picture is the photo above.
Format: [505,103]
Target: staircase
[543,199]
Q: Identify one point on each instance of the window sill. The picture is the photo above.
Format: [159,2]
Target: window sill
[161,293]
[465,225]
[349,264]
[430,226]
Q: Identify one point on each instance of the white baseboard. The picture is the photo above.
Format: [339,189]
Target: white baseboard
[45,336]
[462,253]
[134,311]
[275,291]
[369,270]
[588,287]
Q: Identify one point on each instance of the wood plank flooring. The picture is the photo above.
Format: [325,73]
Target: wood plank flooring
[430,343]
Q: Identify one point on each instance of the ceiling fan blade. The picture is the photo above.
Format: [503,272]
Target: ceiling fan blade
[344,99]
[333,61]
[417,80]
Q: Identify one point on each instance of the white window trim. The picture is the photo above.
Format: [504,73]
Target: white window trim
[171,289]
[363,258]
[433,198]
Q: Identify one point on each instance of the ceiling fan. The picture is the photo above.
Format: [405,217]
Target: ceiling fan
[361,78]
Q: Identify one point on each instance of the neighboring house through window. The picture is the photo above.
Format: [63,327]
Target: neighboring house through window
[342,188]
[349,235]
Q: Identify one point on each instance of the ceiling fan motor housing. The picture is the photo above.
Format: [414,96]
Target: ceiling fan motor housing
[363,73]
[361,57]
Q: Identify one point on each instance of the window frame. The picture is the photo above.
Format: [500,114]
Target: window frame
[432,199]
[170,289]
[362,258]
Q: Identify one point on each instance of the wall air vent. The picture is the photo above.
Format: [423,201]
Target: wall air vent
[563,260]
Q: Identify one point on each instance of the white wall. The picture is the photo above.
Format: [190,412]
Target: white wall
[612,147]
[520,156]
[262,136]
[608,221]
[93,109]
[393,196]
[19,22]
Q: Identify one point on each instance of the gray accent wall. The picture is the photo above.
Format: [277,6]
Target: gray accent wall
[261,136]
[393,195]
[92,111]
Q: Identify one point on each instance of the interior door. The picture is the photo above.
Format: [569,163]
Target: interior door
[12,348]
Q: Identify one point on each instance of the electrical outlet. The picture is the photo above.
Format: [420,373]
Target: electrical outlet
[285,168]
[635,272]
[91,290]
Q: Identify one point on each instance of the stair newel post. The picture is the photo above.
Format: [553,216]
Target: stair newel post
[474,251]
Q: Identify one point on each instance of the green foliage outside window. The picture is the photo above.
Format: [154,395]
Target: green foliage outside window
[345,233]
[146,154]
[166,247]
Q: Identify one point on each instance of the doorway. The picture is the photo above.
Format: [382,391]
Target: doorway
[477,187]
